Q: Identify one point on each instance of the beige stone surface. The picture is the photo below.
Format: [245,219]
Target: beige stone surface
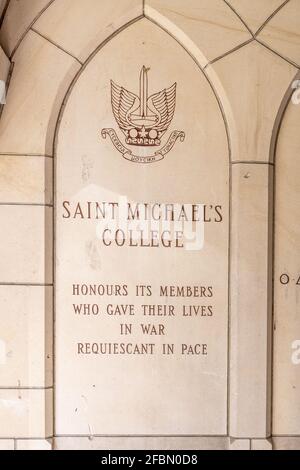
[286,393]
[160,394]
[41,76]
[26,326]
[282,33]
[251,303]
[255,12]
[7,444]
[26,180]
[25,413]
[26,238]
[136,443]
[19,16]
[208,26]
[251,83]
[34,444]
[261,444]
[286,443]
[239,444]
[101,20]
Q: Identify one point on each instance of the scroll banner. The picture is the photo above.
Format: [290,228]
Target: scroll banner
[129,155]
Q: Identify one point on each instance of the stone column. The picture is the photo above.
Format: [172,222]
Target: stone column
[251,300]
[25,292]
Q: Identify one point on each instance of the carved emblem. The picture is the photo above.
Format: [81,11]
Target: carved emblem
[143,120]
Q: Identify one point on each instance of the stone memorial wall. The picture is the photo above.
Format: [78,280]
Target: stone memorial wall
[149,207]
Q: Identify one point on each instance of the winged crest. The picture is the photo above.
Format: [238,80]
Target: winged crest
[143,119]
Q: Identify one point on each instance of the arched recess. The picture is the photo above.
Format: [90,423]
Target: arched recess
[195,171]
[286,346]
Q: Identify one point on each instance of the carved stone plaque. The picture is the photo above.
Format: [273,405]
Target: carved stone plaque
[142,227]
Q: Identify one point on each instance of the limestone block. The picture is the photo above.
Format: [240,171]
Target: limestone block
[239,444]
[208,26]
[261,444]
[148,443]
[282,32]
[7,444]
[19,16]
[34,444]
[26,238]
[26,180]
[255,12]
[26,413]
[28,123]
[286,443]
[252,83]
[26,336]
[80,27]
